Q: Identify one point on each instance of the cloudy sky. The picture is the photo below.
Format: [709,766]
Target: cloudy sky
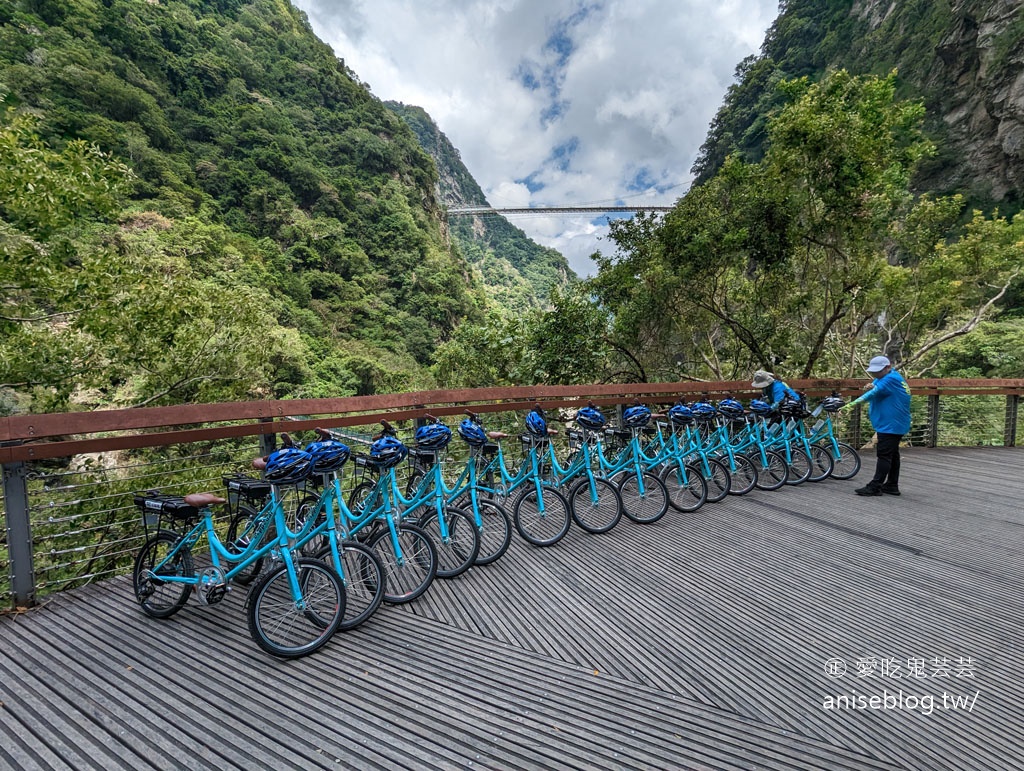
[556,102]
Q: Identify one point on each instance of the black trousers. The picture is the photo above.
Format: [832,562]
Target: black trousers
[887,467]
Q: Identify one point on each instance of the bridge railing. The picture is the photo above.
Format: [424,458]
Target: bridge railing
[68,478]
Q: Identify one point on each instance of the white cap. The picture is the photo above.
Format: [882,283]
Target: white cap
[877,364]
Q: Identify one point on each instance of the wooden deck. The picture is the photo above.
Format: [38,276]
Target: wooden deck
[697,642]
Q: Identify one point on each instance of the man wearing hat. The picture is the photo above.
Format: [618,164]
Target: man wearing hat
[774,389]
[889,410]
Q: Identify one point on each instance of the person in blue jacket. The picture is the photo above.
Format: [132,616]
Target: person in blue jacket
[889,410]
[774,390]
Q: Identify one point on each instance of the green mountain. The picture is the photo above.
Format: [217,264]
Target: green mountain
[962,58]
[266,184]
[517,272]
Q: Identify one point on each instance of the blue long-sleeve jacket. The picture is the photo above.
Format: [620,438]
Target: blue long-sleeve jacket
[889,404]
[776,391]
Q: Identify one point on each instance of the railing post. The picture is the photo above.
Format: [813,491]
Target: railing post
[1010,429]
[19,535]
[268,442]
[932,431]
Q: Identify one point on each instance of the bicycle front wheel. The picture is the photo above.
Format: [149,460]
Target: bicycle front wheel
[495,532]
[772,472]
[595,510]
[364,581]
[647,506]
[821,464]
[157,598]
[743,478]
[720,480]
[799,467]
[290,627]
[846,463]
[541,520]
[456,552]
[409,567]
[687,489]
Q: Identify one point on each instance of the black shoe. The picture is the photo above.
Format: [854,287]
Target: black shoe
[868,490]
[890,490]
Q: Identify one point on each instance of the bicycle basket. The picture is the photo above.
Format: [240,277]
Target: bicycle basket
[288,466]
[590,418]
[433,436]
[636,416]
[329,455]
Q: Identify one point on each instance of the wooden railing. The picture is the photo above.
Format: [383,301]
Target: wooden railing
[29,442]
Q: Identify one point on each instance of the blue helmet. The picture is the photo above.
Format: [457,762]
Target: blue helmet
[832,403]
[433,436]
[703,410]
[590,417]
[328,455]
[288,465]
[680,415]
[636,416]
[731,408]
[760,406]
[472,432]
[387,451]
[536,424]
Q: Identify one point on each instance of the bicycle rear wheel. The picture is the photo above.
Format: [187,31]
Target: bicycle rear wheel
[157,598]
[495,532]
[772,472]
[240,533]
[409,570]
[541,527]
[719,480]
[647,506]
[846,463]
[821,464]
[595,510]
[364,581]
[456,554]
[687,489]
[290,628]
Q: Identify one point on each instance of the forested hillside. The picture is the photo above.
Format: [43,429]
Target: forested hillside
[962,58]
[199,201]
[517,272]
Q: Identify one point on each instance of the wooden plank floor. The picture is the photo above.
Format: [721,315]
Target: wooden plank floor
[697,642]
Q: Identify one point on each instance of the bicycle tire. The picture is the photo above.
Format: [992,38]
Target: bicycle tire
[313,546]
[495,532]
[799,467]
[772,473]
[598,516]
[847,465]
[358,495]
[537,528]
[159,599]
[720,481]
[363,576]
[648,507]
[459,553]
[281,628]
[743,478]
[821,464]
[407,578]
[238,529]
[687,491]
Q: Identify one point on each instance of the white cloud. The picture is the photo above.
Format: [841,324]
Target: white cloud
[580,101]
